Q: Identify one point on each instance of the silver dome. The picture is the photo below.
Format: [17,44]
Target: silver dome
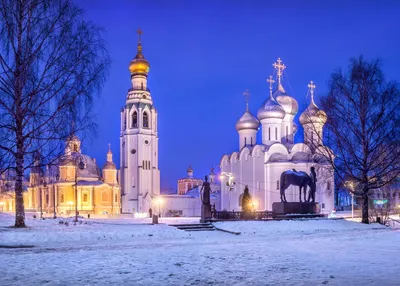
[109,166]
[288,103]
[247,121]
[270,109]
[313,114]
[91,170]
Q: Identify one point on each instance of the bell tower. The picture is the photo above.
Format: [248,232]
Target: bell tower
[140,176]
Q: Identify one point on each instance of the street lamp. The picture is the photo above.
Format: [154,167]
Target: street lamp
[81,166]
[70,205]
[159,202]
[350,184]
[229,183]
[44,185]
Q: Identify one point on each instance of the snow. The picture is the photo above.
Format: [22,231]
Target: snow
[134,252]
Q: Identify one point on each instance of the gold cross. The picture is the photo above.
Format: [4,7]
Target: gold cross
[109,147]
[312,87]
[279,67]
[246,93]
[140,32]
[271,82]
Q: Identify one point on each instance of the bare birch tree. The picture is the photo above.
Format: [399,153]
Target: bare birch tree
[52,63]
[362,128]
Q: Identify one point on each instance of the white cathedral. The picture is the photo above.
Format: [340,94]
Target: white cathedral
[139,173]
[259,165]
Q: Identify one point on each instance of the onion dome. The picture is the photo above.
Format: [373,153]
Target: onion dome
[247,121]
[139,65]
[288,103]
[270,109]
[90,169]
[312,114]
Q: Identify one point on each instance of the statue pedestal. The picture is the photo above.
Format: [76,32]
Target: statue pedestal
[205,213]
[295,208]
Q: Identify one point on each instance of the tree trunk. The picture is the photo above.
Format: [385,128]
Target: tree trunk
[19,190]
[365,217]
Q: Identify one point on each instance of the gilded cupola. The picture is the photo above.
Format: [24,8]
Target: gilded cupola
[139,65]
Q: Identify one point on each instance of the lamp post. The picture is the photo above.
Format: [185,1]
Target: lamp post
[54,196]
[229,183]
[159,202]
[81,166]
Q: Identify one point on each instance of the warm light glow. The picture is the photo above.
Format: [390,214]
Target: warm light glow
[70,203]
[159,201]
[2,203]
[221,177]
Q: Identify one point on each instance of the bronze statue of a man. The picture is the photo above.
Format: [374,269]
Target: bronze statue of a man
[205,200]
[313,189]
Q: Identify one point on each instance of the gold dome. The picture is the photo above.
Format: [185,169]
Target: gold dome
[139,65]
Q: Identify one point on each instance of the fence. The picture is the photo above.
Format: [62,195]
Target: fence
[236,215]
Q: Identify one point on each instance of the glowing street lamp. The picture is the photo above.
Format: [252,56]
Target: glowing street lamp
[70,205]
[159,202]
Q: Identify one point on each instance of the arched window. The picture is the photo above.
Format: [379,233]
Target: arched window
[251,140]
[75,147]
[276,133]
[245,141]
[269,133]
[134,119]
[145,120]
[61,198]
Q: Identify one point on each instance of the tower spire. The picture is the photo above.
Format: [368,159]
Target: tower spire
[311,87]
[279,69]
[271,82]
[246,93]
[139,46]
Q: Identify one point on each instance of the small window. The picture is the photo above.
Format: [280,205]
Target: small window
[276,133]
[251,141]
[47,199]
[116,198]
[61,198]
[124,122]
[277,185]
[323,206]
[75,147]
[145,120]
[134,119]
[328,186]
[269,133]
[85,198]
[245,141]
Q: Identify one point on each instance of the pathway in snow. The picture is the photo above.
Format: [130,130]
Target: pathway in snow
[266,253]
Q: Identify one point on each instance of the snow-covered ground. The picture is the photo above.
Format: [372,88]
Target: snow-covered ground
[134,252]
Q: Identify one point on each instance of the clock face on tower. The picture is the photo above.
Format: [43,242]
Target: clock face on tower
[146,141]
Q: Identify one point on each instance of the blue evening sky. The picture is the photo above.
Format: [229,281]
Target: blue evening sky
[204,54]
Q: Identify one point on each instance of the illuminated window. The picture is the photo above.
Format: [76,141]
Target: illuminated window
[145,120]
[116,198]
[61,198]
[85,198]
[134,119]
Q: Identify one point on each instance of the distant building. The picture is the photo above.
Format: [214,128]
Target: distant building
[187,201]
[188,183]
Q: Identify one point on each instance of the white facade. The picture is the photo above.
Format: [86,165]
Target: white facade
[259,166]
[140,176]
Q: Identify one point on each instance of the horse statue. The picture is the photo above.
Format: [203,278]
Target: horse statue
[301,179]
